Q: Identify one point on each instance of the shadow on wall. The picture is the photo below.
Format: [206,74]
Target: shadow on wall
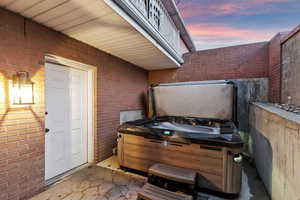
[249,90]
[275,142]
[263,155]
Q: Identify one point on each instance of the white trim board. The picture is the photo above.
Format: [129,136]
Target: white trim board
[123,14]
[92,80]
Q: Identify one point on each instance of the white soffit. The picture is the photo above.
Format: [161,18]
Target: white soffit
[97,24]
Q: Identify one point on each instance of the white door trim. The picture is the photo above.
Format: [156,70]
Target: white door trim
[92,80]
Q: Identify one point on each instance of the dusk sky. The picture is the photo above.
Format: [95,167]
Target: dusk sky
[219,23]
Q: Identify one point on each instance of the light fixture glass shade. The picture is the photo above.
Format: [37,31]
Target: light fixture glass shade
[22,89]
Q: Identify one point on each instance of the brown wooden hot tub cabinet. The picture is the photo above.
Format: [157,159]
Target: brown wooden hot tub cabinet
[196,131]
[215,164]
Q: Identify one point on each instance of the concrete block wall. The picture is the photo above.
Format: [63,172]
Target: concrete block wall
[291,67]
[276,149]
[23,45]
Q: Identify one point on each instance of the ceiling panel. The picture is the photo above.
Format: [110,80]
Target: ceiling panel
[21,5]
[42,7]
[59,11]
[95,23]
[5,3]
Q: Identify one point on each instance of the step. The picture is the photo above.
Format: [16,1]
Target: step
[151,192]
[173,173]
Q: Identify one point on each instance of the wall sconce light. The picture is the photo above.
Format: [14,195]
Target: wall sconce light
[22,89]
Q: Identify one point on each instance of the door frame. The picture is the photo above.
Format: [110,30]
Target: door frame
[92,98]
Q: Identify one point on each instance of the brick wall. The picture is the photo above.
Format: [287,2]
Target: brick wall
[123,87]
[275,68]
[23,45]
[243,61]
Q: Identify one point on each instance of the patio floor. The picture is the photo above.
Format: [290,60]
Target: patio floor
[106,182]
[94,183]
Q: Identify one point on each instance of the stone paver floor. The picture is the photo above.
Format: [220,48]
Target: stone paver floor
[94,183]
[99,183]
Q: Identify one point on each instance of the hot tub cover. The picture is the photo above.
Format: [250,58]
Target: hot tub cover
[205,99]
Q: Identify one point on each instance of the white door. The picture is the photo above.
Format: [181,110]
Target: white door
[66,119]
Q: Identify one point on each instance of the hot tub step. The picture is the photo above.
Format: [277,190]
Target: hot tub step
[151,192]
[173,173]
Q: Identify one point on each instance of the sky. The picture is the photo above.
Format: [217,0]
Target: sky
[220,23]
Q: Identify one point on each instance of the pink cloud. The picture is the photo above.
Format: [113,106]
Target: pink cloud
[216,31]
[267,1]
[190,9]
[194,8]
[210,34]
[228,7]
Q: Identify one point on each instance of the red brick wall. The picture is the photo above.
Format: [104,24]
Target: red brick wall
[244,61]
[23,45]
[275,68]
[123,88]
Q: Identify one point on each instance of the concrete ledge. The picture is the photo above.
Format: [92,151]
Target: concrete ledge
[281,113]
[291,34]
[275,136]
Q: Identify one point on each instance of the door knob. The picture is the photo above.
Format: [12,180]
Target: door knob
[47,130]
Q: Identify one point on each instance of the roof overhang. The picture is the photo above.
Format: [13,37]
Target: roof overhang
[99,24]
